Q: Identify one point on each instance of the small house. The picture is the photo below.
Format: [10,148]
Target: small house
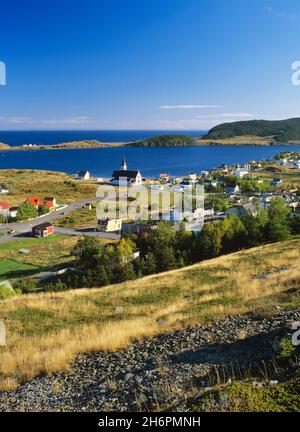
[35,201]
[109,225]
[241,211]
[232,190]
[50,202]
[43,230]
[4,208]
[83,175]
[4,191]
[13,211]
[276,182]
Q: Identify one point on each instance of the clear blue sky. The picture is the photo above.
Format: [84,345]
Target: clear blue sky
[147,64]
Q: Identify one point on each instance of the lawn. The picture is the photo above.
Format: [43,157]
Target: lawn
[10,269]
[46,331]
[44,253]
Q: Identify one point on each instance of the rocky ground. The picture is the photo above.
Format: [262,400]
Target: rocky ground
[159,372]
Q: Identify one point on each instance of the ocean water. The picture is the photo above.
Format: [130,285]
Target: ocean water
[151,161]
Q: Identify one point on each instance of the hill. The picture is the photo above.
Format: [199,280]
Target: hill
[166,141]
[46,331]
[64,187]
[277,131]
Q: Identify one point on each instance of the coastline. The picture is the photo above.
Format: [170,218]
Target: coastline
[97,144]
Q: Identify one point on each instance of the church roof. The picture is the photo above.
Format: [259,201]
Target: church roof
[125,173]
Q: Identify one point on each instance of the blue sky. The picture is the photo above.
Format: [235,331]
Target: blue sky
[147,64]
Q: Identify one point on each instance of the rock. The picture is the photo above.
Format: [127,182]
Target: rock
[119,309]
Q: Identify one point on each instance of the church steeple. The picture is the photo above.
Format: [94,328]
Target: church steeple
[124,164]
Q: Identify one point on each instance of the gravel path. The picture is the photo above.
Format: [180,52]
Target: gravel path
[160,370]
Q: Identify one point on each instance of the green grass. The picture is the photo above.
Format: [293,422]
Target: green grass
[13,270]
[30,242]
[78,219]
[244,397]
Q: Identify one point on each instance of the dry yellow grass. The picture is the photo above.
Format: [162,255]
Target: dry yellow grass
[45,332]
[62,186]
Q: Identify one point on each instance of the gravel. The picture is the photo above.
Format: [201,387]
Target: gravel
[160,371]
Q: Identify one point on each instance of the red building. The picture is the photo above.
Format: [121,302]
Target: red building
[35,201]
[43,230]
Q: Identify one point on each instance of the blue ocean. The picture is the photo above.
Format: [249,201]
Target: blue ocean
[102,162]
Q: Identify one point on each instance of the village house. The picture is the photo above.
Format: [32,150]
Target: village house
[35,201]
[125,177]
[187,183]
[43,230]
[13,211]
[109,225]
[83,175]
[241,211]
[232,190]
[4,208]
[276,182]
[4,191]
[50,202]
[241,172]
[164,176]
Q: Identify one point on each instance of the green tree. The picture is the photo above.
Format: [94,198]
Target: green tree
[278,228]
[43,209]
[26,211]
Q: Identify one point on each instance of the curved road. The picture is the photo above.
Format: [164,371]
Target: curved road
[26,227]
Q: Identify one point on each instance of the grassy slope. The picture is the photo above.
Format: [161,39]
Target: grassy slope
[44,183]
[46,331]
[44,254]
[238,140]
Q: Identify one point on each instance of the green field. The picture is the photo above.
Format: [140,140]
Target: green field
[10,269]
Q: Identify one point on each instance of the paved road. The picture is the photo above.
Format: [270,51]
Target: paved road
[26,227]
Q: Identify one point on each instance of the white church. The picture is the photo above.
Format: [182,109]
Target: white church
[125,177]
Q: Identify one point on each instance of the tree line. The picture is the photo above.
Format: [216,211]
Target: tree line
[164,249]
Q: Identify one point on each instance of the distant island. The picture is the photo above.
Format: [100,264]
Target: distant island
[252,132]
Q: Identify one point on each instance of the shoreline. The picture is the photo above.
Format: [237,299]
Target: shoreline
[109,145]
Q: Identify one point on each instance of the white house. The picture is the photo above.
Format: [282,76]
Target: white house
[232,190]
[241,172]
[4,191]
[83,175]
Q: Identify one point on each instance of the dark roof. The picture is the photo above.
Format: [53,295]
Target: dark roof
[43,226]
[125,173]
[82,173]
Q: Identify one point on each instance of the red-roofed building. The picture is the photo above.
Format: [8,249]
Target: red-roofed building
[35,201]
[50,202]
[4,208]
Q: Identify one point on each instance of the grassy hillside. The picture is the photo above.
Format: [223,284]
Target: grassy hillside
[279,130]
[45,332]
[63,187]
[166,141]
